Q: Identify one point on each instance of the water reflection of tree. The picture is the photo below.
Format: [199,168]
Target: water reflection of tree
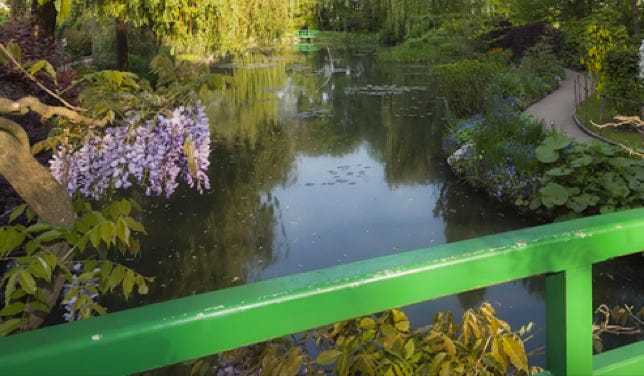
[412,144]
[250,98]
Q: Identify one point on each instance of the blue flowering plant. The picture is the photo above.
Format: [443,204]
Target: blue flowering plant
[495,152]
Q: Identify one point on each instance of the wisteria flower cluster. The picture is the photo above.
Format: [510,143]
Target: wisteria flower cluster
[153,154]
[68,304]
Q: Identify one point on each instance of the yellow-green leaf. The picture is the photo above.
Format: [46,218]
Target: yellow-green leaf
[128,283]
[27,282]
[367,323]
[513,348]
[328,357]
[123,231]
[408,350]
[116,277]
[36,66]
[48,236]
[400,320]
[6,327]
[40,269]
[134,225]
[15,213]
[12,309]
[14,51]
[435,365]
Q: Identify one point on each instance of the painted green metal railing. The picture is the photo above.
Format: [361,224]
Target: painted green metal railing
[307,34]
[166,333]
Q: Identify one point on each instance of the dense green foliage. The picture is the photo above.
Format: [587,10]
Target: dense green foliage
[586,179]
[464,84]
[385,344]
[95,235]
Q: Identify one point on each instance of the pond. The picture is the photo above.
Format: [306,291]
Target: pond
[323,158]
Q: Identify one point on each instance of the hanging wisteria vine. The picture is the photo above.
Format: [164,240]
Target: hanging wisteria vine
[153,155]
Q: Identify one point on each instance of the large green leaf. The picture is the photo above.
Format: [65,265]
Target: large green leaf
[546,154]
[582,161]
[557,141]
[560,171]
[553,194]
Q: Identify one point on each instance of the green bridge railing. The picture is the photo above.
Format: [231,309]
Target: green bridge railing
[307,34]
[156,335]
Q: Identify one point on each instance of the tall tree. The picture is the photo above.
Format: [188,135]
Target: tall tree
[636,17]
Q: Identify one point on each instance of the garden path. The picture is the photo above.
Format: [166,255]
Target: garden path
[557,108]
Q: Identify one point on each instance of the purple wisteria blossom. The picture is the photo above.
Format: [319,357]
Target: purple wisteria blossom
[68,304]
[153,155]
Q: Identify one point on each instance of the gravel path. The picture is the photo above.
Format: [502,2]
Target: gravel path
[558,107]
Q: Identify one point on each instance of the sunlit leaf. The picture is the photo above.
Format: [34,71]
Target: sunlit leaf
[367,323]
[128,283]
[134,225]
[436,363]
[328,357]
[36,66]
[513,348]
[400,319]
[123,231]
[40,268]
[116,277]
[408,350]
[27,282]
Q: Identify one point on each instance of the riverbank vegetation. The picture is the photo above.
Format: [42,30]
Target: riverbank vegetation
[143,127]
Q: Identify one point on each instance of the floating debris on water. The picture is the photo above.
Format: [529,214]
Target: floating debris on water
[344,174]
[384,89]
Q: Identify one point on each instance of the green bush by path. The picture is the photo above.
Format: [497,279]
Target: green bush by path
[464,85]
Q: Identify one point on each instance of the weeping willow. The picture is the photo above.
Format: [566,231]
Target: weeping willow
[205,26]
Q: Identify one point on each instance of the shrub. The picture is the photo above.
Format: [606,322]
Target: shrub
[385,344]
[464,85]
[622,80]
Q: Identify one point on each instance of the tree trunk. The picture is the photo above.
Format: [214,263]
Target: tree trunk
[32,181]
[38,188]
[44,19]
[121,45]
[636,17]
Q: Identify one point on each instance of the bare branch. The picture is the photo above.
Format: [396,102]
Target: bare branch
[33,78]
[23,105]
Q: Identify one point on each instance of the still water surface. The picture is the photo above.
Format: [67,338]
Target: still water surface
[321,159]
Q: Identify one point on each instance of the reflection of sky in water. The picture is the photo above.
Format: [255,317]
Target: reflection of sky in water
[341,209]
[345,203]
